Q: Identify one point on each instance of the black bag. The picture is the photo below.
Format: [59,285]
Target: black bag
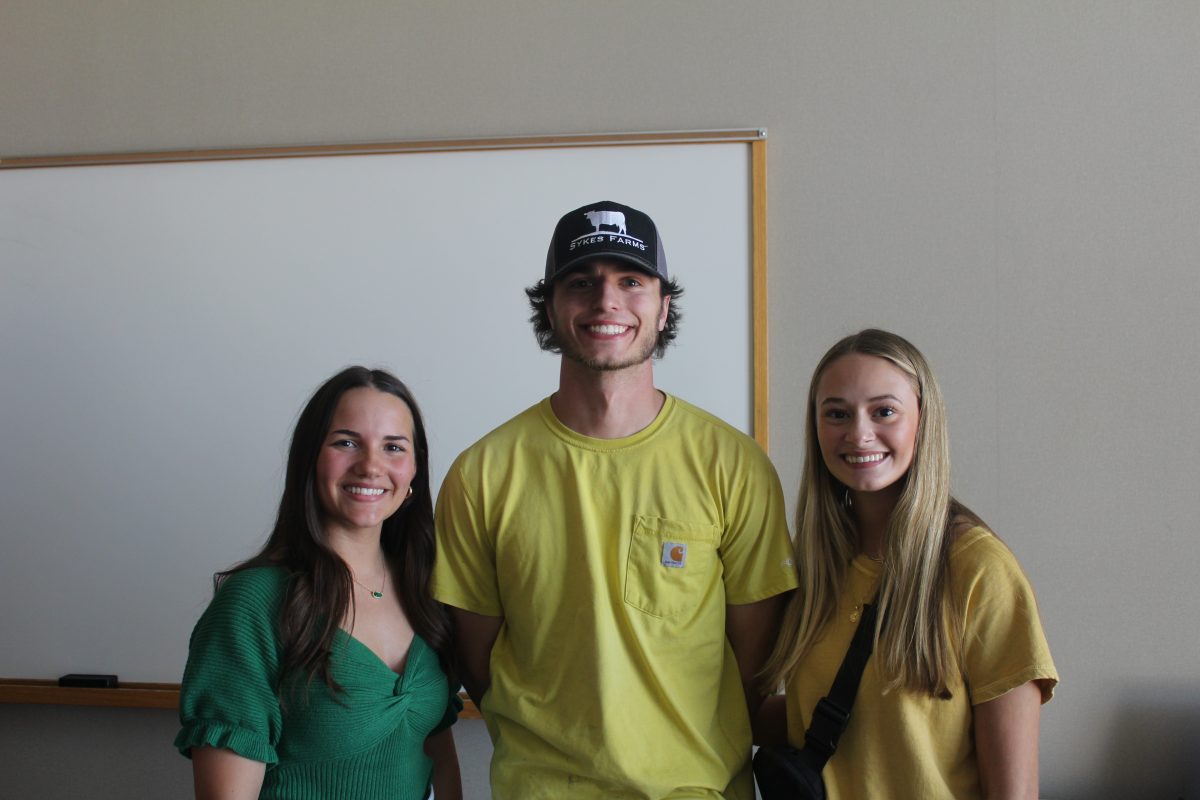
[785,773]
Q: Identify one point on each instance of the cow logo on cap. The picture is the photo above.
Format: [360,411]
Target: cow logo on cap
[600,218]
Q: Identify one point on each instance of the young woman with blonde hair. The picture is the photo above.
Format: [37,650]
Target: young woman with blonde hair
[950,698]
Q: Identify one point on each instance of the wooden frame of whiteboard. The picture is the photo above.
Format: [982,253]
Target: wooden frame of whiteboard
[166,695]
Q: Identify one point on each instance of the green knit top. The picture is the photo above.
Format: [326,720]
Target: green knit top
[367,742]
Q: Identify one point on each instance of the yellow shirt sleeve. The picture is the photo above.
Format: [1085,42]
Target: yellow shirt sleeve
[464,574]
[1004,645]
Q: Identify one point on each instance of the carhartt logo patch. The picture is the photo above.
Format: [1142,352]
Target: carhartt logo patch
[674,554]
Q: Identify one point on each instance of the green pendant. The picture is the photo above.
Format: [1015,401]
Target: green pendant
[377,595]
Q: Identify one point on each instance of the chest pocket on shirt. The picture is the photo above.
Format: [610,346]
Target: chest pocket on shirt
[672,566]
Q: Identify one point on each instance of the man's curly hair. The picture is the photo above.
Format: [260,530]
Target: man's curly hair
[541,292]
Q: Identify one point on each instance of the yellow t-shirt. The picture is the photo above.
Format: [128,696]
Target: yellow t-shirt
[612,562]
[903,745]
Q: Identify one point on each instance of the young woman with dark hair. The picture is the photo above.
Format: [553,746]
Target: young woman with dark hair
[322,667]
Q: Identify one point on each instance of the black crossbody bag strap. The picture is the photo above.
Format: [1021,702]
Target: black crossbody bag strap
[832,713]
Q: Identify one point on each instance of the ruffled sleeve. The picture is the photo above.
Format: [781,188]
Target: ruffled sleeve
[228,698]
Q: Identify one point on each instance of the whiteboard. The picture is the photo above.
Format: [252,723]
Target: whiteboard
[161,325]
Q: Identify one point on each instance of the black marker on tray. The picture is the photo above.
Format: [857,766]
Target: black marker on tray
[86,681]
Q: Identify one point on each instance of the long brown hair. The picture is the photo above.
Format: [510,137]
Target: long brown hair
[320,587]
[918,646]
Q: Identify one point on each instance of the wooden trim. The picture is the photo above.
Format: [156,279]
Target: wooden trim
[377,148]
[127,695]
[758,304]
[20,691]
[470,710]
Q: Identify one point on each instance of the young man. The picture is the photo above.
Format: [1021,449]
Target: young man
[615,558]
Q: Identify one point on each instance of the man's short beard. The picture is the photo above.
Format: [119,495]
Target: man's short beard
[610,366]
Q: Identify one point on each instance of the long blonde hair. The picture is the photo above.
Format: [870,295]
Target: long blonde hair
[917,649]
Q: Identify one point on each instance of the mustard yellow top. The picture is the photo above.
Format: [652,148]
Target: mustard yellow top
[901,745]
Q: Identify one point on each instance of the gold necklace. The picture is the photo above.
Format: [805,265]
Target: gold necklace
[378,595]
[856,612]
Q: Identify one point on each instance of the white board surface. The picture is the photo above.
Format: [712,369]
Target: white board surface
[161,326]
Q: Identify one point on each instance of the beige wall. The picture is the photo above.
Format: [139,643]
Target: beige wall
[1015,186]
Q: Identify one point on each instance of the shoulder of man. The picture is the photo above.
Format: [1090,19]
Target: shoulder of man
[720,430]
[507,431]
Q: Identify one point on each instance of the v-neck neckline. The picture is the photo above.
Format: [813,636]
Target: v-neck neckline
[374,657]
